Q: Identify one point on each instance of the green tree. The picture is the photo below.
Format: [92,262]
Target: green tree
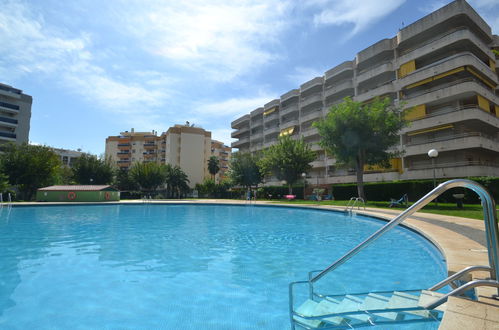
[287,160]
[213,166]
[88,169]
[147,176]
[123,181]
[244,170]
[177,181]
[358,134]
[29,167]
[65,175]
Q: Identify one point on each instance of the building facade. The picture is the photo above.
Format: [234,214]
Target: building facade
[68,157]
[441,69]
[182,145]
[223,154]
[15,115]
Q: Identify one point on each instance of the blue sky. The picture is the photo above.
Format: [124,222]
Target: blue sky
[96,68]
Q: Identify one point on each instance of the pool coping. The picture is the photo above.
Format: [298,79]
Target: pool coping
[466,252]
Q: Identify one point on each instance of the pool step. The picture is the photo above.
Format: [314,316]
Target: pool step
[367,309]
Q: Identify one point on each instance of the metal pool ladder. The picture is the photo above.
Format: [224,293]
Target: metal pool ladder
[344,311]
[352,203]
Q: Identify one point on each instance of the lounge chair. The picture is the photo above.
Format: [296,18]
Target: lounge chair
[328,198]
[403,201]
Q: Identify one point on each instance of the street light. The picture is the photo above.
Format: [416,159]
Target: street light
[304,176]
[433,153]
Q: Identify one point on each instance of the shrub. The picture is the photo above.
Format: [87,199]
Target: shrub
[415,189]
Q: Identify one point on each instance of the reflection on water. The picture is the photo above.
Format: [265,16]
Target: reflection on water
[200,266]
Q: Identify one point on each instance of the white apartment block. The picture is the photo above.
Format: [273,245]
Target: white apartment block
[442,67]
[67,157]
[15,115]
[182,145]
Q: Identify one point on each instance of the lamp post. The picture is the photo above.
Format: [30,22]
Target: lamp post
[304,176]
[433,153]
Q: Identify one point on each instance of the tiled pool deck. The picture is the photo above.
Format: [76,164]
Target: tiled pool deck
[461,240]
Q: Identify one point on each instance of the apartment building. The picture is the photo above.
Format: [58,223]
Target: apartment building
[130,147]
[68,157]
[185,146]
[190,148]
[223,154]
[441,69]
[15,115]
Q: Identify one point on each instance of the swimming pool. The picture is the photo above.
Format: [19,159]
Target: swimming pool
[188,266]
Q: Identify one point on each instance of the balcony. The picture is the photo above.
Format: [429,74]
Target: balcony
[375,71]
[314,83]
[449,91]
[375,51]
[124,145]
[338,88]
[378,91]
[241,143]
[149,145]
[289,123]
[271,130]
[10,91]
[317,114]
[340,69]
[289,109]
[289,95]
[318,163]
[271,117]
[453,142]
[453,116]
[423,28]
[256,123]
[123,161]
[257,136]
[244,120]
[9,122]
[12,108]
[446,65]
[448,39]
[311,100]
[240,131]
[5,136]
[310,132]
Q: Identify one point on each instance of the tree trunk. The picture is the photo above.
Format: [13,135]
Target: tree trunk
[359,170]
[290,189]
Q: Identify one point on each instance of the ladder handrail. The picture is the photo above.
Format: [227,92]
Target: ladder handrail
[457,275]
[462,289]
[490,219]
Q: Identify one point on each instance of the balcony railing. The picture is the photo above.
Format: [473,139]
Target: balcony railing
[124,144]
[429,166]
[8,120]
[8,135]
[9,106]
[452,137]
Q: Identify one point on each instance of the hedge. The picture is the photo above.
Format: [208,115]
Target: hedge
[415,189]
[275,192]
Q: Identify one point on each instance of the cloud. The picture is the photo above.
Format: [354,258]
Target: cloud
[304,74]
[361,14]
[232,108]
[42,49]
[221,40]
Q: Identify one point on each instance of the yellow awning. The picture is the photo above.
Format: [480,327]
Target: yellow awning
[287,131]
[269,111]
[432,129]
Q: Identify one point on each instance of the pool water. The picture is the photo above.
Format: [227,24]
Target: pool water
[189,266]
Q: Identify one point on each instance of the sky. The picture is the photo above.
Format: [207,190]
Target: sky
[97,68]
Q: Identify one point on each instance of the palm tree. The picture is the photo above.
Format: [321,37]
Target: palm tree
[213,166]
[177,181]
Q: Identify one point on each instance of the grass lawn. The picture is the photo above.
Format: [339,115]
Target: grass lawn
[473,211]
